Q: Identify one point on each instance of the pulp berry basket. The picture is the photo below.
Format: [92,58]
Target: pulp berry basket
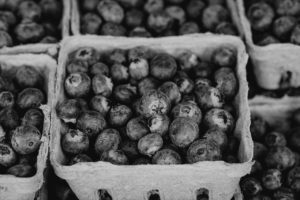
[276,66]
[76,16]
[172,182]
[277,114]
[50,49]
[19,188]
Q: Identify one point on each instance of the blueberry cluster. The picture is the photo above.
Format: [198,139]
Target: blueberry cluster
[276,172]
[29,21]
[154,18]
[141,106]
[274,21]
[21,120]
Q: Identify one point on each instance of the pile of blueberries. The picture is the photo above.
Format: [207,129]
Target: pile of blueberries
[154,18]
[276,172]
[29,21]
[274,21]
[21,120]
[141,106]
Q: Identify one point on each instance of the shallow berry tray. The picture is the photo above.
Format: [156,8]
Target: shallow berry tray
[19,188]
[172,182]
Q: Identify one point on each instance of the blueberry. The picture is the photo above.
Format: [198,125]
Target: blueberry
[183,131]
[131,3]
[89,5]
[142,161]
[80,158]
[224,56]
[100,104]
[5,39]
[287,7]
[187,109]
[116,157]
[130,149]
[152,6]
[293,179]
[295,36]
[119,115]
[112,29]
[202,70]
[159,124]
[139,68]
[26,139]
[226,28]
[159,21]
[30,98]
[125,93]
[147,84]
[261,16]
[153,103]
[21,170]
[171,90]
[28,76]
[250,186]
[258,127]
[189,28]
[273,139]
[283,193]
[29,10]
[7,99]
[108,139]
[188,60]
[34,117]
[203,150]
[87,56]
[102,85]
[166,156]
[116,56]
[271,179]
[149,144]
[283,26]
[111,11]
[226,82]
[163,66]
[140,32]
[280,158]
[7,155]
[134,18]
[69,110]
[194,9]
[48,40]
[51,9]
[177,13]
[76,66]
[99,68]
[218,136]
[91,123]
[214,15]
[140,52]
[184,83]
[75,142]
[259,151]
[136,128]
[209,97]
[219,118]
[9,118]
[8,17]
[90,23]
[29,32]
